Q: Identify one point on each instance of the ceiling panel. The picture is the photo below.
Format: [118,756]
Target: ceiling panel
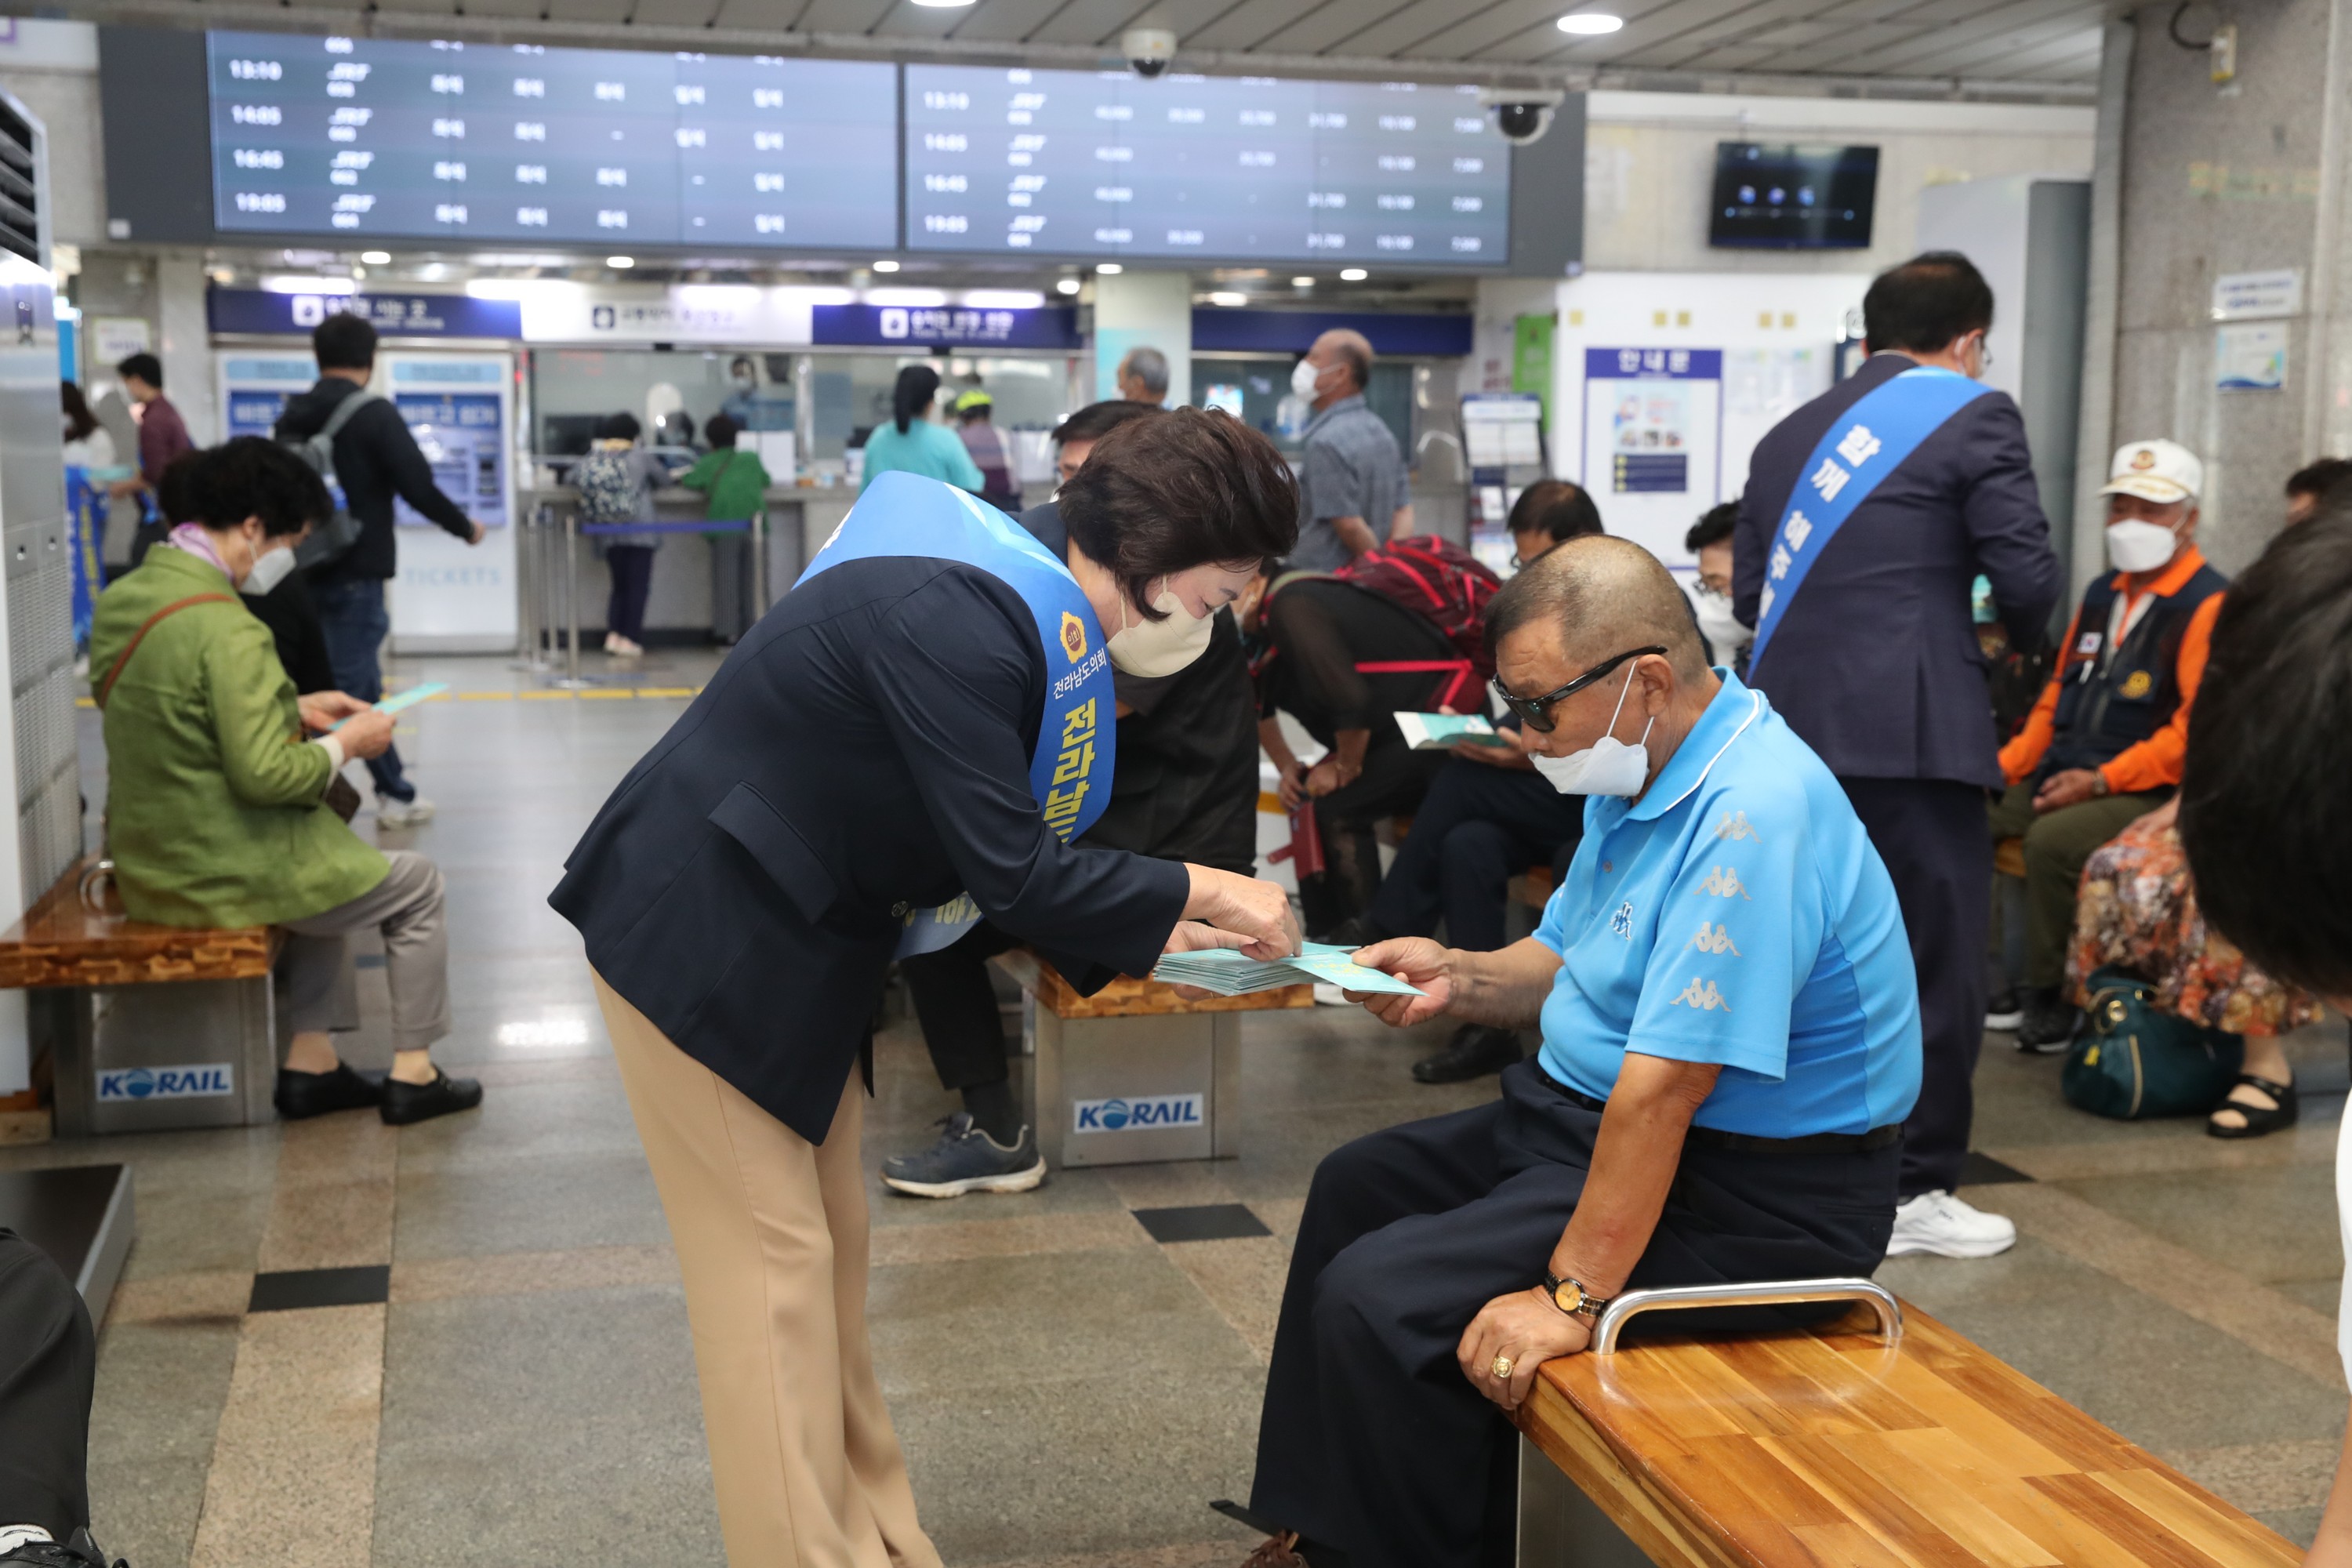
[670,13]
[1744,25]
[418,7]
[1435,29]
[1335,27]
[904,20]
[1245,26]
[751,15]
[1650,28]
[1005,21]
[1186,18]
[2021,24]
[1087,22]
[843,15]
[1989,57]
[595,13]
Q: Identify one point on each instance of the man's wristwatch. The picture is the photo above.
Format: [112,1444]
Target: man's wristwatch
[2098,785]
[1570,1297]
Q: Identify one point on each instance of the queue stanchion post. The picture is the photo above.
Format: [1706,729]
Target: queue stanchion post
[572,679]
[531,575]
[758,527]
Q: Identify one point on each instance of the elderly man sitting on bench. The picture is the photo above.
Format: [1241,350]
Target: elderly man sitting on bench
[1730,1043]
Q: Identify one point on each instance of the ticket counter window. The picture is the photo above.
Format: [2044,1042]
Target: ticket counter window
[850,394]
[1254,389]
[572,389]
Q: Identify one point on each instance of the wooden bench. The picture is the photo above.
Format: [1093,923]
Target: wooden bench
[1133,1073]
[147,1026]
[1842,1448]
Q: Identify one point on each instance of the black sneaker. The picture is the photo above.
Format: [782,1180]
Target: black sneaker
[407,1102]
[305,1094]
[80,1552]
[966,1160]
[2005,1012]
[2050,1024]
[1475,1051]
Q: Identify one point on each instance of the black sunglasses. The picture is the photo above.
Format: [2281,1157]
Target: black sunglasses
[1535,713]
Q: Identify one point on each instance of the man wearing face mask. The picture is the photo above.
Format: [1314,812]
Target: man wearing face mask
[1730,1044]
[2105,742]
[1710,540]
[1353,489]
[1185,788]
[1868,515]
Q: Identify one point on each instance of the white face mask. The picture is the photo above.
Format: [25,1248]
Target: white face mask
[269,569]
[1723,633]
[1608,766]
[1305,377]
[2138,546]
[1151,648]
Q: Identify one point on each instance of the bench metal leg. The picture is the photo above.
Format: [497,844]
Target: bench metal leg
[140,1059]
[1560,1527]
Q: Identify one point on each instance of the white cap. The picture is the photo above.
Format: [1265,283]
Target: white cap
[2160,471]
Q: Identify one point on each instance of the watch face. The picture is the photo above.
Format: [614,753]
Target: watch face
[1569,1296]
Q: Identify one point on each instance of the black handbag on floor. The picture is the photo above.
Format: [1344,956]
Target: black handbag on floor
[2135,1060]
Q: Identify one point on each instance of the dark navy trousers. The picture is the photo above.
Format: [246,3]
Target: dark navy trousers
[48,1363]
[1476,828]
[1371,1440]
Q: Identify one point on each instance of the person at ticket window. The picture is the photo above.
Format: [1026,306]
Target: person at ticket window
[910,741]
[1868,516]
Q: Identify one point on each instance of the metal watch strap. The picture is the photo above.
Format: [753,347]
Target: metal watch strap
[1587,1305]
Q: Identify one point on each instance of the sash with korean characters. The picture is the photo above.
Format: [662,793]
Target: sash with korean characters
[1069,772]
[1868,442]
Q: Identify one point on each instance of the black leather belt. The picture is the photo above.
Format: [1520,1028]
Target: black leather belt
[1885,1137]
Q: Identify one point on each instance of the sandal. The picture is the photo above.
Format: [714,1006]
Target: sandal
[2280,1114]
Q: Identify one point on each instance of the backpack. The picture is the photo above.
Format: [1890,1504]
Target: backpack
[608,490]
[1445,585]
[341,531]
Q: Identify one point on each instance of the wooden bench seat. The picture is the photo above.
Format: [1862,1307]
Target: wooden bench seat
[1831,1449]
[64,940]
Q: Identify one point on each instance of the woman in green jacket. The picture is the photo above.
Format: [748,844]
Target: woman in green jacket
[217,812]
[737,485]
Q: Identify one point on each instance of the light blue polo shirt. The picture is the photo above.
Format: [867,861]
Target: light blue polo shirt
[1737,914]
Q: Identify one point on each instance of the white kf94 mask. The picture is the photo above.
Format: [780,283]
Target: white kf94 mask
[1608,766]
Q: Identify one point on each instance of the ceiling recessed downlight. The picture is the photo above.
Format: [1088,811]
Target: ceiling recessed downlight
[621,263]
[1109,269]
[1229,298]
[1352,275]
[376,257]
[1068,286]
[885,265]
[1590,24]
[1302,283]
[943,4]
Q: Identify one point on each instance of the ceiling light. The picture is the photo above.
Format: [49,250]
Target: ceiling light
[1068,286]
[885,265]
[943,4]
[919,299]
[283,285]
[1590,24]
[1352,275]
[1302,283]
[1228,299]
[620,263]
[376,257]
[1110,269]
[1003,299]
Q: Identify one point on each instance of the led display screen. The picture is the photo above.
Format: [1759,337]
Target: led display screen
[1792,197]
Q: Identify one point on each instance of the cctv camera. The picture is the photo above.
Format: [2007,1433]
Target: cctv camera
[1521,114]
[1147,49]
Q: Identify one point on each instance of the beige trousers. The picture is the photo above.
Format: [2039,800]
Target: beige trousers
[772,1243]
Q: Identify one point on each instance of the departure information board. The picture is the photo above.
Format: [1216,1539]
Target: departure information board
[1089,164]
[372,138]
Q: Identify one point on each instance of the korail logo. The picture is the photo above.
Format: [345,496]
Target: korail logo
[894,321]
[1141,1112]
[309,310]
[131,1084]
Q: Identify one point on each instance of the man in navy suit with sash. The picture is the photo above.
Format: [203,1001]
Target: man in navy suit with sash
[1868,514]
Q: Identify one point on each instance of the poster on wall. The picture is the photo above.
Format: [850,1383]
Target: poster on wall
[450,596]
[1653,440]
[2250,357]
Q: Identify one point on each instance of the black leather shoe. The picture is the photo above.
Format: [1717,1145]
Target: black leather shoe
[80,1552]
[1475,1051]
[407,1102]
[2051,1022]
[302,1094]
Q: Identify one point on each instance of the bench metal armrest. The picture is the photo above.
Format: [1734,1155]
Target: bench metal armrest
[1769,1293]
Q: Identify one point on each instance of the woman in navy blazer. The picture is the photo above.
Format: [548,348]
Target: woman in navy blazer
[880,743]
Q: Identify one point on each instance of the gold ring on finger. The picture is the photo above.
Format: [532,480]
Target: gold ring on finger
[1501,1368]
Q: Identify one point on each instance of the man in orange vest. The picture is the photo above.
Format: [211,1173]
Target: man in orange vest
[2104,743]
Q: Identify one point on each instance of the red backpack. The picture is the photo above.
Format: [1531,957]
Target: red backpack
[1445,585]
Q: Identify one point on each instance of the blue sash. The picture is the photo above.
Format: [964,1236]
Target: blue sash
[1069,772]
[1868,442]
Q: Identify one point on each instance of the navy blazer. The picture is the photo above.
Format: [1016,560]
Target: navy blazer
[1875,662]
[863,751]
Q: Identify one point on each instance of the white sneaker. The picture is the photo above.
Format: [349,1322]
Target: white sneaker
[1939,1224]
[390,813]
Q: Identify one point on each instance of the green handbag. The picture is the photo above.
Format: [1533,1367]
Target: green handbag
[2134,1059]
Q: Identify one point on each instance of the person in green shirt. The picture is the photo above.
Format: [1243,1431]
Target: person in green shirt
[738,487]
[218,776]
[913,442]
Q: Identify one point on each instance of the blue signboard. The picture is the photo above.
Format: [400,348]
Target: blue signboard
[394,315]
[945,326]
[1644,365]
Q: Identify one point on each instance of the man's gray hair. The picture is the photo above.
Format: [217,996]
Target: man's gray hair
[1606,596]
[1149,366]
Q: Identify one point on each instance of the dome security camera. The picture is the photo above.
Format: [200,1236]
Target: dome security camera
[1148,50]
[1521,114]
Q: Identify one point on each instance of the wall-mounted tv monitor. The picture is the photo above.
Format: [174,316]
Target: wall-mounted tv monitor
[1792,196]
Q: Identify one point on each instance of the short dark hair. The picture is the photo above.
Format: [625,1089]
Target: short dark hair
[1713,527]
[1555,506]
[719,431]
[622,426]
[146,367]
[255,477]
[1096,420]
[343,341]
[2269,751]
[1594,584]
[1178,490]
[174,496]
[1927,302]
[2316,478]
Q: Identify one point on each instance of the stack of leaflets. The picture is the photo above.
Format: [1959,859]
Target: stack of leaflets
[1228,973]
[1438,731]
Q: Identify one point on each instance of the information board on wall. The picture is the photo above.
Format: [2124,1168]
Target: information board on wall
[1654,441]
[1109,163]
[385,138]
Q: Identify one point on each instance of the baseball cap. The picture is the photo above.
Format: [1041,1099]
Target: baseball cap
[976,399]
[2160,471]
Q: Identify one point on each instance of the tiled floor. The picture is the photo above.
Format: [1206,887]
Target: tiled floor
[512,1380]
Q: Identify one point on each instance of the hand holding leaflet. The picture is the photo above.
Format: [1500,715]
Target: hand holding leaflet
[1440,731]
[1226,972]
[400,699]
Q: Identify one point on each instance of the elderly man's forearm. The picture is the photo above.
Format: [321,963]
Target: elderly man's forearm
[1634,1159]
[1504,990]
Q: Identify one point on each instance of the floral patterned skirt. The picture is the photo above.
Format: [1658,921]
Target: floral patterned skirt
[2136,911]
